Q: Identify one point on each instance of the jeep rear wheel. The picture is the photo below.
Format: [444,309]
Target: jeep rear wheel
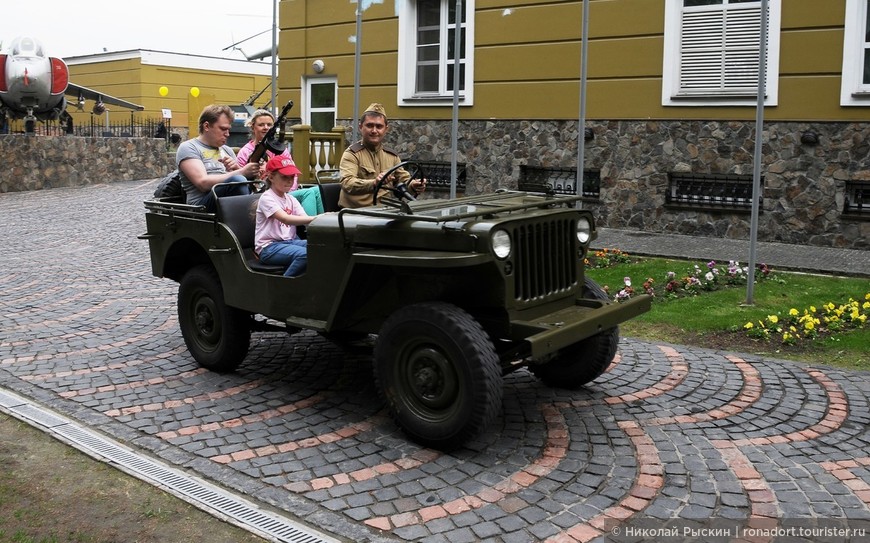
[584,361]
[437,370]
[216,335]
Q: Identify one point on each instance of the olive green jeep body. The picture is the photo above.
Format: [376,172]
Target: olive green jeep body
[458,292]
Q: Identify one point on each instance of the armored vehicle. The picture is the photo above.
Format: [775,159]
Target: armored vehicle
[455,294]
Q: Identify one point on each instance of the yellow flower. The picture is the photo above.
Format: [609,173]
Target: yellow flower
[793,312]
[773,319]
[812,309]
[748,326]
[809,325]
[865,305]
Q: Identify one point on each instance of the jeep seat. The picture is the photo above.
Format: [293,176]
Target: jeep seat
[329,182]
[239,213]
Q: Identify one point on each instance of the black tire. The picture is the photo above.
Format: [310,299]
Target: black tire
[584,361]
[216,335]
[438,372]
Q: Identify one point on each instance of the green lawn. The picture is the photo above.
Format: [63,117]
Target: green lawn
[716,318]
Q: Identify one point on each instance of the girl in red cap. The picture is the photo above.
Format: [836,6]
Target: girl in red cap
[278,215]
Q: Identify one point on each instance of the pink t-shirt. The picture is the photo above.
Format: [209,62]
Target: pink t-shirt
[269,228]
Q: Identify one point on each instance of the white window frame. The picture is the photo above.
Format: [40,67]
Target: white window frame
[673,95]
[407,65]
[307,110]
[853,92]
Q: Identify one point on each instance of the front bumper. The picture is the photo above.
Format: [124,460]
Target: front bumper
[554,331]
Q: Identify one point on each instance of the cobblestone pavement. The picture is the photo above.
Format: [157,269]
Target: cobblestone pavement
[669,432]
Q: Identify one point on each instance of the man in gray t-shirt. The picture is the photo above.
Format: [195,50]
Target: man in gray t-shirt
[206,161]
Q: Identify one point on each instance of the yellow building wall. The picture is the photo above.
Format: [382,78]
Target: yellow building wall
[131,80]
[527,63]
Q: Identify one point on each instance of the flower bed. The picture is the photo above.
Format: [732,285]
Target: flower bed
[791,328]
[713,277]
[606,257]
[812,323]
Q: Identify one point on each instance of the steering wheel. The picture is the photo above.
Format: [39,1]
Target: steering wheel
[400,191]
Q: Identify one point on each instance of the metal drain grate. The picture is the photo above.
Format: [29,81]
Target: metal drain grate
[207,497]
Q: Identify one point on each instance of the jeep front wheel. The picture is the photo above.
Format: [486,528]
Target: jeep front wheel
[216,335]
[582,362]
[437,370]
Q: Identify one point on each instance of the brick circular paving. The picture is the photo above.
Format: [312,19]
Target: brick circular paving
[669,432]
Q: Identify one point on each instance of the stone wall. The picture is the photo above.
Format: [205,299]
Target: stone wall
[804,187]
[803,194]
[42,162]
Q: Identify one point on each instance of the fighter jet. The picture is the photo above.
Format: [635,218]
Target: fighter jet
[33,86]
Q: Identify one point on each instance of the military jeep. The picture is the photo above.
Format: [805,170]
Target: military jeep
[455,294]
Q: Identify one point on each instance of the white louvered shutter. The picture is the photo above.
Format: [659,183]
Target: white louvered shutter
[719,50]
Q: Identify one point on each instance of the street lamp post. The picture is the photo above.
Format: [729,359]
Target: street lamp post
[581,123]
[756,166]
[275,57]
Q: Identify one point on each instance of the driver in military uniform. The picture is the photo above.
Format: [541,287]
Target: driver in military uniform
[364,163]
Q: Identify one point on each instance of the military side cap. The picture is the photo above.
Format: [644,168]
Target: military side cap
[376,108]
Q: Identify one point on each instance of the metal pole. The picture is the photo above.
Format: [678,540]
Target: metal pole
[756,168]
[454,135]
[356,62]
[274,107]
[581,123]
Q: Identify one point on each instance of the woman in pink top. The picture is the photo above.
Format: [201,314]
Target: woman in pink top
[260,122]
[278,215]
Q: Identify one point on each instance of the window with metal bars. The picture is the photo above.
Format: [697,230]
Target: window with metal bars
[727,191]
[857,201]
[559,180]
[438,174]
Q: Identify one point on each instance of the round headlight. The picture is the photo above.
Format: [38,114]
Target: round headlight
[584,230]
[501,244]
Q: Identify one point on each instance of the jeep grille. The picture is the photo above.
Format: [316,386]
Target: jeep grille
[545,258]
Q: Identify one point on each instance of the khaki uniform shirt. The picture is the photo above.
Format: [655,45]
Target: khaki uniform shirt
[359,167]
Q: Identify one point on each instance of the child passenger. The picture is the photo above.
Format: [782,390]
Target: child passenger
[278,215]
